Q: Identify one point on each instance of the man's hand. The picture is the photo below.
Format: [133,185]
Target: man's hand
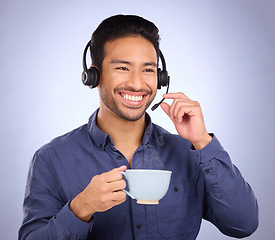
[102,193]
[187,118]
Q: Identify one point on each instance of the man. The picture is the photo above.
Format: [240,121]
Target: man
[74,184]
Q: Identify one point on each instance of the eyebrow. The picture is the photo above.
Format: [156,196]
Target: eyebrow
[117,61]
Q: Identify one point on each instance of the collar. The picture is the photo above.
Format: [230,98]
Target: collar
[101,139]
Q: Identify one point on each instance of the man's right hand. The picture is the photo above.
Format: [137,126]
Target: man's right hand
[102,193]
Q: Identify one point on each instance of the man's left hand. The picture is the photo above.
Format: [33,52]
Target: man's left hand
[187,118]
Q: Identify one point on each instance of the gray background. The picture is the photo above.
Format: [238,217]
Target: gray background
[219,52]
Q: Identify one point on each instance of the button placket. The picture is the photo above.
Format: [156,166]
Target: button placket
[139,220]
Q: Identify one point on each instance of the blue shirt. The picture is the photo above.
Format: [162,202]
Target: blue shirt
[204,184]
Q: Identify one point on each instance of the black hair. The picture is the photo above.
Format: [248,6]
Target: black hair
[119,26]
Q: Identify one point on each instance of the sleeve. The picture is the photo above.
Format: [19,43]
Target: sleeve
[46,216]
[230,202]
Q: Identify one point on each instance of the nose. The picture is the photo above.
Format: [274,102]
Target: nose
[136,80]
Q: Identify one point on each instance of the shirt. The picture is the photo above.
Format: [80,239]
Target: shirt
[204,184]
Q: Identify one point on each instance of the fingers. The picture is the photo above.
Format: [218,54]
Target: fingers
[111,181]
[181,107]
[114,174]
[117,185]
[175,96]
[119,196]
[114,185]
[166,108]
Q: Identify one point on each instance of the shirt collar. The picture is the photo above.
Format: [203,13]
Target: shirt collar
[101,139]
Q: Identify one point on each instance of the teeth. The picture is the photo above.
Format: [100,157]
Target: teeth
[133,98]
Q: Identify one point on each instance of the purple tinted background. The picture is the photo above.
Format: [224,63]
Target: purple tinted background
[219,52]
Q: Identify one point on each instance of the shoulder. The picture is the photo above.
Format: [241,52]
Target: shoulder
[69,140]
[60,152]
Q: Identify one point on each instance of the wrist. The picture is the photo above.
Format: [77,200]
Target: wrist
[202,143]
[79,210]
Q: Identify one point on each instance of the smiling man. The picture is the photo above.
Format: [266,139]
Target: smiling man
[74,183]
[129,73]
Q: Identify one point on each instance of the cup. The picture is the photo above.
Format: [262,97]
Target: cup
[147,186]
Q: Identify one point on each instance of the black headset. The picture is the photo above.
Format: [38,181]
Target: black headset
[91,76]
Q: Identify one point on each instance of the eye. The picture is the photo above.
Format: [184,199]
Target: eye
[122,68]
[149,70]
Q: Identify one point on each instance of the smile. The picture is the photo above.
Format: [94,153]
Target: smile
[132,98]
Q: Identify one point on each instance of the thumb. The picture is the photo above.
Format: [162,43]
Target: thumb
[121,168]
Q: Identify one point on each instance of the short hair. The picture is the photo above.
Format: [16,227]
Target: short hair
[119,26]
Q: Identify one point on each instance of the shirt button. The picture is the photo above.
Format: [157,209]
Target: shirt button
[176,189]
[139,226]
[119,157]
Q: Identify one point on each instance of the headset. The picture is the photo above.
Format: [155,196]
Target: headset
[91,76]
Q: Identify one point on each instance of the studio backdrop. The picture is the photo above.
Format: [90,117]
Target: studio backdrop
[218,52]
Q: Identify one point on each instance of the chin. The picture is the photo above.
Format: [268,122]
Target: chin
[130,117]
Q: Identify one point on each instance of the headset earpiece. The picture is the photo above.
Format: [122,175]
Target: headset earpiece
[91,77]
[163,78]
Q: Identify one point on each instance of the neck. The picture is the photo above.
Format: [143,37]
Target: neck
[126,135]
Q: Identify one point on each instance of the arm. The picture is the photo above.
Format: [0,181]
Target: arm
[230,203]
[63,225]
[46,216]
[47,213]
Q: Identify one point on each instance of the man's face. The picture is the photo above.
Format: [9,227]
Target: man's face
[128,82]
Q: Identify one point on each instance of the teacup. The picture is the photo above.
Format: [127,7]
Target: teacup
[146,185]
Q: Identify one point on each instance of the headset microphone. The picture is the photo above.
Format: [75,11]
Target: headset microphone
[91,76]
